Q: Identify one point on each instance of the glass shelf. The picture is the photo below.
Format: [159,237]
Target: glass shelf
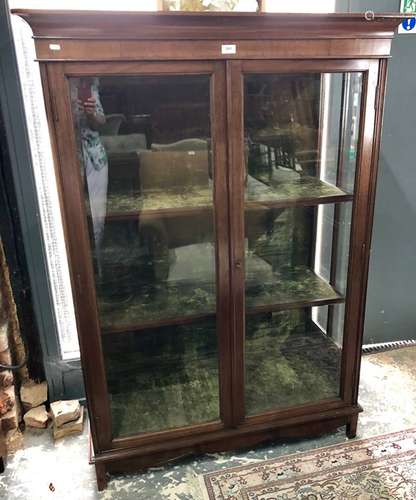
[158,203]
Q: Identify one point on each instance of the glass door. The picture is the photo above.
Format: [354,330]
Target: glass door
[301,137]
[145,145]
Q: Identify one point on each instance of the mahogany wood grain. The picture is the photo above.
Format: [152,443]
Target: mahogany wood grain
[352,427]
[158,323]
[306,201]
[250,205]
[192,318]
[236,185]
[180,50]
[207,25]
[360,236]
[80,263]
[82,277]
[378,72]
[157,442]
[93,43]
[295,304]
[222,240]
[229,442]
[101,475]
[161,213]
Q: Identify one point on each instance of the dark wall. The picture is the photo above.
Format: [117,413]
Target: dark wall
[391,299]
[12,241]
[17,175]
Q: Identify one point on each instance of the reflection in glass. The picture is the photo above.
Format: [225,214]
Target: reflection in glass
[146,162]
[162,377]
[301,135]
[299,144]
[88,117]
[289,361]
[280,255]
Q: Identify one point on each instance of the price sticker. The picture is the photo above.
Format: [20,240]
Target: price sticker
[229,49]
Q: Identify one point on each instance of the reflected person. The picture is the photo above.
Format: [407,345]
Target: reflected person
[89,115]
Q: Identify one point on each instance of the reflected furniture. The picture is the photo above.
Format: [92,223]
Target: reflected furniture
[219,224]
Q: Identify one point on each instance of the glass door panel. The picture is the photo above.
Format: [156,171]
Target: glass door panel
[301,140]
[144,144]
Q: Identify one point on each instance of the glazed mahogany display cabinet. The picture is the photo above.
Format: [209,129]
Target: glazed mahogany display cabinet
[217,176]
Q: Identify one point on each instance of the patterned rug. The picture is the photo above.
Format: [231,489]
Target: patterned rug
[378,468]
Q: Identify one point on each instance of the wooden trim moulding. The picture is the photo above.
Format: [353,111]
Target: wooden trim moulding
[150,443]
[74,24]
[72,50]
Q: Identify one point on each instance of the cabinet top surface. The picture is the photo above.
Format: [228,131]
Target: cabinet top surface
[207,25]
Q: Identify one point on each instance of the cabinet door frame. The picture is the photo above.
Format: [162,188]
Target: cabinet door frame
[365,176]
[71,190]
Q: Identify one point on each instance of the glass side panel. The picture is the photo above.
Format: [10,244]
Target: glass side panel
[144,145]
[301,139]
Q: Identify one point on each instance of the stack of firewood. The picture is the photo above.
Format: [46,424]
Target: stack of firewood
[67,417]
[33,397]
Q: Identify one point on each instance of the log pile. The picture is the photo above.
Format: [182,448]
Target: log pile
[11,351]
[67,417]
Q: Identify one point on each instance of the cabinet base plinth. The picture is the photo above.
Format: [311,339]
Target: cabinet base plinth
[128,460]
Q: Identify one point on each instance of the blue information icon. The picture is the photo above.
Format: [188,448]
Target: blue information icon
[409,24]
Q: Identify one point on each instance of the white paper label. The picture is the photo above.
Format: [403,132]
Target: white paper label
[229,49]
[54,46]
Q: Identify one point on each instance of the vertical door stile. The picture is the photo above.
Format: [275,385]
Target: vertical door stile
[236,183]
[221,208]
[363,215]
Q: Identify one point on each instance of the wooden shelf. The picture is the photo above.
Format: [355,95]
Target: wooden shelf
[145,325]
[159,204]
[288,350]
[306,191]
[176,304]
[303,191]
[299,288]
[162,304]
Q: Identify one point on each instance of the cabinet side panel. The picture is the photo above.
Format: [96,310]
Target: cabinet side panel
[361,234]
[378,123]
